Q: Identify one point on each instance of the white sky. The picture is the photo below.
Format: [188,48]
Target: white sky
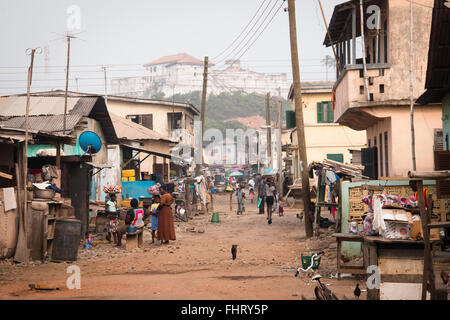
[126,34]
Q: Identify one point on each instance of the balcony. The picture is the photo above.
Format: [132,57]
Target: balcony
[350,92]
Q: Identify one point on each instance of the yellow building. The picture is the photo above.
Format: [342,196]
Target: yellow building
[324,138]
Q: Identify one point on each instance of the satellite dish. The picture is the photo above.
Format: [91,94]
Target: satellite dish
[90,142]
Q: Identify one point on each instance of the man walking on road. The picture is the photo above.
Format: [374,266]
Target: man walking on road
[261,194]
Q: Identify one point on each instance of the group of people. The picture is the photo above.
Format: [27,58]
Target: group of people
[162,222]
[267,193]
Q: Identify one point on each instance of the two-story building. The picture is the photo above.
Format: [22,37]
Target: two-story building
[379,101]
[325,139]
[174,120]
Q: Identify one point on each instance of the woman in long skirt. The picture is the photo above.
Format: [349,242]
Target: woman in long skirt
[166,229]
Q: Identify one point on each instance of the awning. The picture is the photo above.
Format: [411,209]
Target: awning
[156,153]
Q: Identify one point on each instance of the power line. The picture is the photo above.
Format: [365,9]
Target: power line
[260,6]
[242,40]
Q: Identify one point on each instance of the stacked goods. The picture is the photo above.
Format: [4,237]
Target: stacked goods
[128,175]
[350,170]
[112,189]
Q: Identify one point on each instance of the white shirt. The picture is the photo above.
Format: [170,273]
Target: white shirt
[251,183]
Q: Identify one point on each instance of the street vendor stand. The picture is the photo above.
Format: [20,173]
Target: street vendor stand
[405,266]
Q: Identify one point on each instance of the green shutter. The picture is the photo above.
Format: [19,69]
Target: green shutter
[319,112]
[330,112]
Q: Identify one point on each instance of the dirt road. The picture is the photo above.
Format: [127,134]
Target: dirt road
[198,265]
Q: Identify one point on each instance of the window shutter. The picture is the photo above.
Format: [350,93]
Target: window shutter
[442,162]
[438,140]
[147,121]
[330,112]
[319,112]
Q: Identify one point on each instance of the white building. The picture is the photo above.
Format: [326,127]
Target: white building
[182,73]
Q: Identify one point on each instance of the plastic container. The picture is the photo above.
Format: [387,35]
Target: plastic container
[215,217]
[67,240]
[128,173]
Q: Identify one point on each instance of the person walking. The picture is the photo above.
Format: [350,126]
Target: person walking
[270,198]
[261,194]
[251,189]
[166,229]
[241,199]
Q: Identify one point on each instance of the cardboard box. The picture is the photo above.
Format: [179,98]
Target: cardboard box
[416,230]
[397,230]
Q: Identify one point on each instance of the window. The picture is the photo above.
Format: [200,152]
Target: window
[381,154]
[339,157]
[145,120]
[381,88]
[325,113]
[368,143]
[386,146]
[375,141]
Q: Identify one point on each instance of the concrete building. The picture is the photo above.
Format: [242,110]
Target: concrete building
[182,73]
[382,108]
[324,138]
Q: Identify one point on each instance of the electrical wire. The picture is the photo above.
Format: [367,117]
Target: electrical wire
[256,22]
[260,6]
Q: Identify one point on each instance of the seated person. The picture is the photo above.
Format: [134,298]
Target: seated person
[135,217]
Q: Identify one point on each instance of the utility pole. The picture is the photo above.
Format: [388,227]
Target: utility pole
[67,82]
[331,42]
[30,52]
[411,99]
[269,129]
[278,135]
[203,110]
[299,119]
[106,89]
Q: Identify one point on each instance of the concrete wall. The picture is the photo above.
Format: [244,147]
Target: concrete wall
[325,138]
[159,112]
[397,123]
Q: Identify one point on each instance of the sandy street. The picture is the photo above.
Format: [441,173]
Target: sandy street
[198,265]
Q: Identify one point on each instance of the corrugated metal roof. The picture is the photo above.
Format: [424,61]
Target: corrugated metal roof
[127,129]
[16,106]
[44,123]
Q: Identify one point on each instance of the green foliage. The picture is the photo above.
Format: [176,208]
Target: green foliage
[229,105]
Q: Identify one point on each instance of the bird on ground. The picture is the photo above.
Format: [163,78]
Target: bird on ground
[234,251]
[357,291]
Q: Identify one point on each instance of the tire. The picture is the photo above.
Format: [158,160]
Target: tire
[319,293]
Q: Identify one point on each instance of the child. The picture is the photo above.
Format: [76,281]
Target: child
[241,199]
[154,213]
[113,218]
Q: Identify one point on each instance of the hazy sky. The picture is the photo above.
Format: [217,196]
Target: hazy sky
[126,34]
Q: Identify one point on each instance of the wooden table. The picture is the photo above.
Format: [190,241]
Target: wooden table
[340,237]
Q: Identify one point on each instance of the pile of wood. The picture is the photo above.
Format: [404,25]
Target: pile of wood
[350,170]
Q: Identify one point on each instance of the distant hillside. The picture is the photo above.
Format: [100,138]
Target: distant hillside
[232,105]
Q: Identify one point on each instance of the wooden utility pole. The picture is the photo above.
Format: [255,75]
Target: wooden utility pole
[203,111]
[329,38]
[269,129]
[411,99]
[106,88]
[67,82]
[278,135]
[299,119]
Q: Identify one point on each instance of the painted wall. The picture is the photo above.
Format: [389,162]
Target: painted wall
[396,121]
[396,77]
[325,138]
[159,112]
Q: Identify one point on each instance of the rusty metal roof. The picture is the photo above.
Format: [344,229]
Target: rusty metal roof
[52,107]
[438,70]
[45,123]
[127,129]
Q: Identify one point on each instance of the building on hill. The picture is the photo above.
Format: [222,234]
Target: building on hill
[181,73]
[325,139]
